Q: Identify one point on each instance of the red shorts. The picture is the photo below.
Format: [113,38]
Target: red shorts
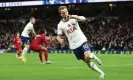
[36,48]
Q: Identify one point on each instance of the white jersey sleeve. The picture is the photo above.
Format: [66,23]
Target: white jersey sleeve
[59,30]
[28,28]
[82,18]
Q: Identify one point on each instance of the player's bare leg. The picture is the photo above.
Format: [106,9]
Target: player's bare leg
[88,56]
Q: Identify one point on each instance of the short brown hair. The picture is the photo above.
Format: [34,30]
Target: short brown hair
[31,17]
[17,33]
[61,7]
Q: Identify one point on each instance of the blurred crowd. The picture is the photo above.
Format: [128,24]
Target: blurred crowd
[106,32]
[111,33]
[6,35]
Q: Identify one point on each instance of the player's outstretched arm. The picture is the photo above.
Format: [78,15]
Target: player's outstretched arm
[59,38]
[34,33]
[79,18]
[46,42]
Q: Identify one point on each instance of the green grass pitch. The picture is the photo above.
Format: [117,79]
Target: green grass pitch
[65,67]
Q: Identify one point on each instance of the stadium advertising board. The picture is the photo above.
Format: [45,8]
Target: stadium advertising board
[51,2]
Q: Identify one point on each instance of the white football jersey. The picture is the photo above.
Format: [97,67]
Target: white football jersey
[73,32]
[28,28]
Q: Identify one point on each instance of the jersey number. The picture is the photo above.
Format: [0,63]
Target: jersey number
[85,46]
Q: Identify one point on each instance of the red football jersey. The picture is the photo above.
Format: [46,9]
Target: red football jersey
[17,41]
[40,40]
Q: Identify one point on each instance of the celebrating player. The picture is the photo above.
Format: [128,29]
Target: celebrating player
[37,46]
[18,44]
[77,40]
[25,37]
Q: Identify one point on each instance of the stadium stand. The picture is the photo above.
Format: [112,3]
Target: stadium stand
[105,28]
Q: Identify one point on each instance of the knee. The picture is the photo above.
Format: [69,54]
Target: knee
[87,55]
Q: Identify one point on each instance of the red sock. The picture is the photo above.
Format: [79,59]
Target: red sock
[46,55]
[19,53]
[40,56]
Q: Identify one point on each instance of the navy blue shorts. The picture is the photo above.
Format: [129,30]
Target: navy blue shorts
[25,40]
[79,52]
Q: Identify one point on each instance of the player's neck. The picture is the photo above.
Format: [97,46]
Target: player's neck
[31,22]
[65,20]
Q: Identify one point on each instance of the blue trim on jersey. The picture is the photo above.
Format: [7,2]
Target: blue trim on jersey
[79,52]
[25,40]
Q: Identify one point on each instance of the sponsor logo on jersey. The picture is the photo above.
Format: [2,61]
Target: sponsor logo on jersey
[71,30]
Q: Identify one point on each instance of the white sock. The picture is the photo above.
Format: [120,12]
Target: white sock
[25,50]
[93,56]
[95,68]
